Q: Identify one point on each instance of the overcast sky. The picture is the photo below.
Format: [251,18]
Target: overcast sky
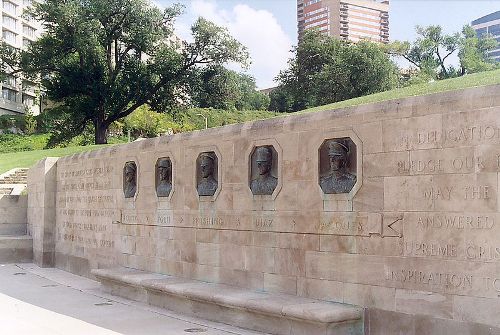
[269,27]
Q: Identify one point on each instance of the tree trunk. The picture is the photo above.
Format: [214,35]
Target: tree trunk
[101,132]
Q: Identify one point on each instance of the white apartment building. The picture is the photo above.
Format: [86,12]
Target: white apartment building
[18,94]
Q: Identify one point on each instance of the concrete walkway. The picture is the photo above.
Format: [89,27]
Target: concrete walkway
[50,301]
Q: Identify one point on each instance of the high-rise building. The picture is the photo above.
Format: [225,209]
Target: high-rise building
[18,93]
[351,20]
[489,24]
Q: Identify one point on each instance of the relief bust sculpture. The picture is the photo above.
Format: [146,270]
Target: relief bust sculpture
[129,179]
[164,184]
[338,180]
[207,185]
[265,183]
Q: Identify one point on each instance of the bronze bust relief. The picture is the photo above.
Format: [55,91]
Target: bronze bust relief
[264,183]
[164,177]
[130,179]
[207,184]
[337,179]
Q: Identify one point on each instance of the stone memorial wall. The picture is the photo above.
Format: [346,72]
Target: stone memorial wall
[392,206]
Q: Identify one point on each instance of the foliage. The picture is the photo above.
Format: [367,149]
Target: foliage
[473,52]
[191,118]
[325,69]
[12,121]
[17,143]
[144,122]
[220,88]
[30,122]
[100,60]
[471,80]
[430,51]
[281,99]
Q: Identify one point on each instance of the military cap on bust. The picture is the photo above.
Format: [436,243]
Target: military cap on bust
[205,155]
[263,154]
[337,149]
[164,163]
[130,166]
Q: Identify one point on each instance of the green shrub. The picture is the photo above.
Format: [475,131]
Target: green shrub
[9,121]
[17,143]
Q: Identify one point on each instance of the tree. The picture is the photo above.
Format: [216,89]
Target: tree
[473,52]
[100,60]
[325,70]
[221,88]
[430,51]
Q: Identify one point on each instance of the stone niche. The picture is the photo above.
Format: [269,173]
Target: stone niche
[415,239]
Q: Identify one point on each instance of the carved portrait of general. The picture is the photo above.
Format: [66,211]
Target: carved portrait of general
[163,177]
[130,179]
[207,183]
[263,182]
[337,178]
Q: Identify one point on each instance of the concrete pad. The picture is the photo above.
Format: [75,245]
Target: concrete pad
[43,301]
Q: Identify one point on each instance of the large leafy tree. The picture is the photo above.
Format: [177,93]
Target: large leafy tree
[99,60]
[325,70]
[221,88]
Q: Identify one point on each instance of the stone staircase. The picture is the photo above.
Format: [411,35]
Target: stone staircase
[17,176]
[15,244]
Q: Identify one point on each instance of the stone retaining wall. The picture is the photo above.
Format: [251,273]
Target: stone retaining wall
[417,238]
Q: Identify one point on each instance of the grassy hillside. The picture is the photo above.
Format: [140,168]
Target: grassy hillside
[29,158]
[471,80]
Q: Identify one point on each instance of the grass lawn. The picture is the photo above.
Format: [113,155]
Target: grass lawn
[27,159]
[471,80]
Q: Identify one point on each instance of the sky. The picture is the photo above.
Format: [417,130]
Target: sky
[268,28]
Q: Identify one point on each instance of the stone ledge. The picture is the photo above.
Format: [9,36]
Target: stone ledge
[16,249]
[303,315]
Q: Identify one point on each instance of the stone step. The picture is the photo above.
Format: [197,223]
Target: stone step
[5,191]
[278,314]
[16,229]
[16,249]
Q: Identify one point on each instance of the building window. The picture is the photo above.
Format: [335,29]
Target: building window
[10,80]
[29,31]
[9,22]
[9,7]
[9,94]
[29,86]
[312,2]
[9,36]
[28,100]
[494,30]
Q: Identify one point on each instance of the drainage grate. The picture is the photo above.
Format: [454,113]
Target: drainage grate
[103,304]
[50,285]
[195,330]
[19,273]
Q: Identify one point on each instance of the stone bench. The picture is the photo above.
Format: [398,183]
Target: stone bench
[265,312]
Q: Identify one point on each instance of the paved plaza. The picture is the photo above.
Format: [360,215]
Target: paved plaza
[40,301]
